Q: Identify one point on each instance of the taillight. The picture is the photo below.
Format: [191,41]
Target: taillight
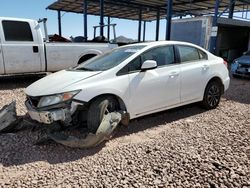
[225,63]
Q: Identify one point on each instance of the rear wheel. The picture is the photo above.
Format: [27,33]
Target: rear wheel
[212,95]
[98,108]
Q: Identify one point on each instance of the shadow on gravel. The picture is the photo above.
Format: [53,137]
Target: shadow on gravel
[18,148]
[160,118]
[239,90]
[19,81]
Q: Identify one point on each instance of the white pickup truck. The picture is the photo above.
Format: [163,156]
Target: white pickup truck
[23,49]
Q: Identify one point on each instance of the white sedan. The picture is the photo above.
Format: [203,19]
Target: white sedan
[137,79]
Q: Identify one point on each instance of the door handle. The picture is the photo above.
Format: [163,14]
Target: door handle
[173,74]
[35,49]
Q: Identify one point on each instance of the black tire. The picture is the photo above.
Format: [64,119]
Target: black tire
[98,108]
[212,95]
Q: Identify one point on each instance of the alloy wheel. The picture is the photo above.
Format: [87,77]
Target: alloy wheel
[213,96]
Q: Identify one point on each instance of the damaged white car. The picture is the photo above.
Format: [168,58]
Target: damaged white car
[134,81]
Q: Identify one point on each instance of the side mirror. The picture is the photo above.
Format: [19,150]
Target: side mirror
[148,65]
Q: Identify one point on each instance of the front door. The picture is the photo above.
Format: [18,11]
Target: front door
[156,89]
[20,47]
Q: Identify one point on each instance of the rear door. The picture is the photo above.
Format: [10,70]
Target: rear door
[20,47]
[194,72]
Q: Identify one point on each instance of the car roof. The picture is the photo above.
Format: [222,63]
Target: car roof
[157,43]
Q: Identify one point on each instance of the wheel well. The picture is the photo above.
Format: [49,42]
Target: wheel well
[86,57]
[218,80]
[119,100]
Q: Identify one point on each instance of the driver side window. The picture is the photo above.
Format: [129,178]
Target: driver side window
[163,55]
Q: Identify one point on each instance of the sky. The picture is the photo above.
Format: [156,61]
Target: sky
[72,23]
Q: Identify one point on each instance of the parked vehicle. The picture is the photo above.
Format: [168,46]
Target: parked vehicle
[23,50]
[138,79]
[241,66]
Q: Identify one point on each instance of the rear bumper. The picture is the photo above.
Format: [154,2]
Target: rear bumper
[226,83]
[48,116]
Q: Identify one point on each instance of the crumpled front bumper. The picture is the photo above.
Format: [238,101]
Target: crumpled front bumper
[104,132]
[48,116]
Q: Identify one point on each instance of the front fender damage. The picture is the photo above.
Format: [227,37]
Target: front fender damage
[104,132]
[10,122]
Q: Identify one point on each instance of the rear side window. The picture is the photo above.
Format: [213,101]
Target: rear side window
[188,53]
[17,31]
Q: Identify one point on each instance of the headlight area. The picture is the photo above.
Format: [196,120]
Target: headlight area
[56,99]
[49,109]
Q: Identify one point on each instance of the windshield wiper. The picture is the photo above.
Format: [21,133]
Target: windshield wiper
[85,69]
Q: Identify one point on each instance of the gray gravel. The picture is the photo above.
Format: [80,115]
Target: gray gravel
[184,147]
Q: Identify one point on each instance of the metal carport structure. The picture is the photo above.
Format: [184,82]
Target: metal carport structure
[149,10]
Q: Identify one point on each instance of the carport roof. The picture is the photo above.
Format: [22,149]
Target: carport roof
[129,9]
[233,22]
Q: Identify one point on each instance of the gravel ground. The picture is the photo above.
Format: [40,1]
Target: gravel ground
[184,147]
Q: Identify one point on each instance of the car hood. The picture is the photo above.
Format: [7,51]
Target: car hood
[55,83]
[243,59]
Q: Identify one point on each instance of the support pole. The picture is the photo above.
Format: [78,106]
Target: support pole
[114,33]
[157,25]
[213,38]
[139,26]
[144,31]
[85,17]
[247,13]
[231,9]
[59,23]
[169,18]
[101,17]
[108,32]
